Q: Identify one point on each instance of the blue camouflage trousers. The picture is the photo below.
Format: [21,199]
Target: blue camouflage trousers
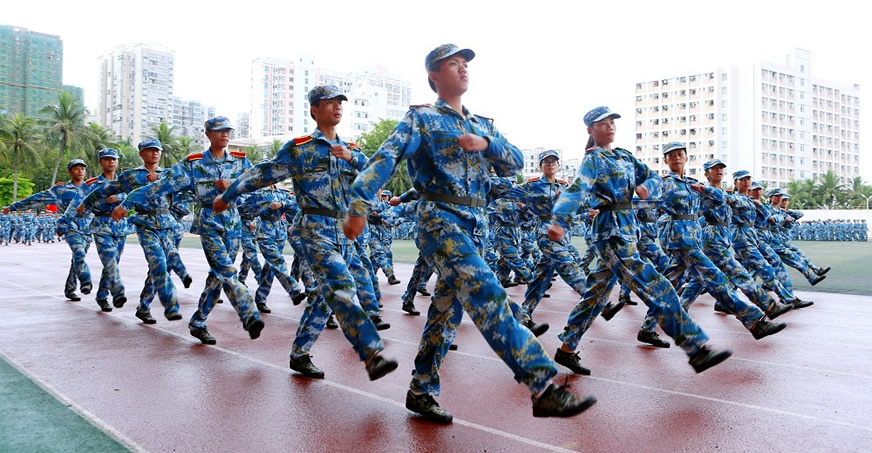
[420,275]
[382,256]
[466,283]
[560,256]
[725,259]
[752,260]
[619,259]
[368,292]
[649,250]
[794,260]
[333,266]
[157,245]
[714,281]
[220,253]
[775,261]
[274,266]
[249,256]
[109,249]
[508,239]
[79,272]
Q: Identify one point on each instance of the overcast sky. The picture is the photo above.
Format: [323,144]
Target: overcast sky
[538,67]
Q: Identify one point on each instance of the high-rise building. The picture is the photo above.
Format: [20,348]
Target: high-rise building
[242,126]
[774,120]
[189,118]
[31,70]
[136,90]
[280,105]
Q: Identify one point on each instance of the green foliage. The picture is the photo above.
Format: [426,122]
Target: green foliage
[827,192]
[25,189]
[64,125]
[172,151]
[370,142]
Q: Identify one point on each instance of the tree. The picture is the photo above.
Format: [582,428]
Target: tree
[186,145]
[273,150]
[25,189]
[829,192]
[252,152]
[19,136]
[370,141]
[65,123]
[165,134]
[859,193]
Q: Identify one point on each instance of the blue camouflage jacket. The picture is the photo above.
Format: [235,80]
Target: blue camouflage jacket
[61,195]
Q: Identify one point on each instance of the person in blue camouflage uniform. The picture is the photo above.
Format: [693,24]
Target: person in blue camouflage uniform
[180,208]
[272,233]
[380,226]
[5,227]
[507,215]
[788,228]
[716,238]
[422,271]
[154,227]
[646,214]
[76,231]
[250,223]
[605,183]
[450,152]
[28,223]
[538,194]
[782,222]
[109,235]
[207,174]
[322,166]
[746,243]
[680,237]
[368,291]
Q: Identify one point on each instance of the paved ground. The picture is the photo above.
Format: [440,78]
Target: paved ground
[155,388]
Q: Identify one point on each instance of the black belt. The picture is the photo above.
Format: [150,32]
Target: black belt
[682,217]
[102,215]
[324,212]
[271,219]
[546,218]
[648,221]
[472,202]
[615,207]
[740,225]
[718,224]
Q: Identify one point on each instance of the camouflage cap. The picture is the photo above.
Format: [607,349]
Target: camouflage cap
[325,92]
[712,164]
[598,114]
[785,196]
[149,143]
[741,174]
[386,193]
[756,185]
[75,162]
[672,146]
[444,51]
[218,123]
[108,152]
[548,153]
[775,192]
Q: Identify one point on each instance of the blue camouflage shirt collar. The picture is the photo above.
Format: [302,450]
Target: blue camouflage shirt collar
[442,105]
[208,157]
[157,170]
[318,135]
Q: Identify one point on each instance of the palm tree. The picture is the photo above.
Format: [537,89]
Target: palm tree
[19,133]
[186,145]
[829,192]
[65,122]
[170,142]
[252,152]
[273,150]
[801,193]
[859,193]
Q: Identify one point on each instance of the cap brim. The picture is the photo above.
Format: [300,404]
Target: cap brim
[467,53]
[606,115]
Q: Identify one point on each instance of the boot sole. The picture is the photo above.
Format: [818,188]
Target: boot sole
[255,328]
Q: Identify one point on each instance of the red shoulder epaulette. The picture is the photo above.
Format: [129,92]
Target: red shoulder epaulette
[302,140]
[353,145]
[237,153]
[536,178]
[592,148]
[563,182]
[195,156]
[60,184]
[92,180]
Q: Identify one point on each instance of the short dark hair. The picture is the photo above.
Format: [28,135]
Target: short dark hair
[314,104]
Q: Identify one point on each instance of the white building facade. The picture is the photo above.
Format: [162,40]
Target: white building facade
[773,120]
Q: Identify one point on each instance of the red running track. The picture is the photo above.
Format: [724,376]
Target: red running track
[156,388]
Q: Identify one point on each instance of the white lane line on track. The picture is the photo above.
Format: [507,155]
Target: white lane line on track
[496,359]
[127,442]
[72,405]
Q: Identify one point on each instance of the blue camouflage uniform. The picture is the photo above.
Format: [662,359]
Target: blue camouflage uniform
[75,230]
[219,232]
[109,237]
[154,227]
[321,188]
[606,182]
[452,184]
[250,223]
[5,228]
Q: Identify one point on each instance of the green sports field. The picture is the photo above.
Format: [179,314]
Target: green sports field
[851,263]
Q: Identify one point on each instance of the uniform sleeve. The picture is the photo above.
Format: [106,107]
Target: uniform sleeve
[48,196]
[578,192]
[105,190]
[505,157]
[263,174]
[400,145]
[714,194]
[645,177]
[177,179]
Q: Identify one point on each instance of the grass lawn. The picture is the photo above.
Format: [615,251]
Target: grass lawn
[851,262]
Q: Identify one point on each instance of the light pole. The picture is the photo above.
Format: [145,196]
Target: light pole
[865,198]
